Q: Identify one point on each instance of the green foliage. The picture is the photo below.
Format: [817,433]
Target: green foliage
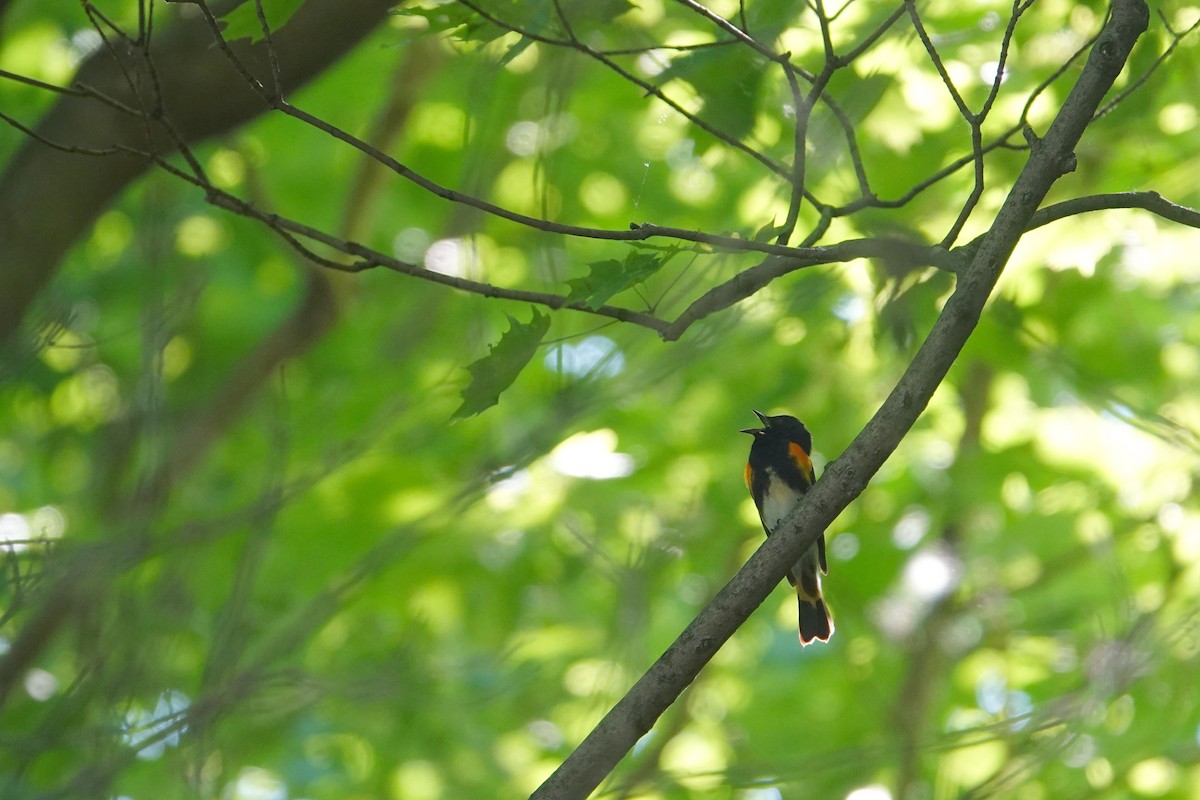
[354,598]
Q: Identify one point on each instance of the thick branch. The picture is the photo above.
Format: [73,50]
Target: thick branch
[49,198]
[846,477]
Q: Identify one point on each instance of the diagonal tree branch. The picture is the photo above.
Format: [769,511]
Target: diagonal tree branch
[846,477]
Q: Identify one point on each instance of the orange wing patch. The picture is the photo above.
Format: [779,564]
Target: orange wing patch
[802,461]
[749,476]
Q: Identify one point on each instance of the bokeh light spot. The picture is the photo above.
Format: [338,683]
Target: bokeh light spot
[198,236]
[591,455]
[872,792]
[1153,777]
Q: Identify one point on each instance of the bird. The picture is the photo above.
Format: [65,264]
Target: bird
[778,473]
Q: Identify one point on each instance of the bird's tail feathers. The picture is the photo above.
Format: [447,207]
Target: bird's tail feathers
[815,622]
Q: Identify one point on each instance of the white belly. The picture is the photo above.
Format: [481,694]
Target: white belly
[778,501]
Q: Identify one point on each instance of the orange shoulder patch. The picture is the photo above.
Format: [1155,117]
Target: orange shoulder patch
[802,461]
[749,476]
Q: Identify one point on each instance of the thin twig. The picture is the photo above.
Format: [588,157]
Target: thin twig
[1140,81]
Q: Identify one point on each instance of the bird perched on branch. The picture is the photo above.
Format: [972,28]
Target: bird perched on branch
[778,473]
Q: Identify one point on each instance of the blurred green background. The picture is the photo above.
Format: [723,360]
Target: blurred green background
[349,594]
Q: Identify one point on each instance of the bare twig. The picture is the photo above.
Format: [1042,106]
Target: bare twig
[935,58]
[1147,201]
[976,122]
[1176,38]
[749,281]
[733,30]
[648,88]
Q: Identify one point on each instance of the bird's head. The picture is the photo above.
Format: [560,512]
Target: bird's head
[783,426]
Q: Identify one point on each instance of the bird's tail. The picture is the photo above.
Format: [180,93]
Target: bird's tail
[815,622]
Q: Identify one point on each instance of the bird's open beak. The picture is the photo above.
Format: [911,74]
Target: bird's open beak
[756,431]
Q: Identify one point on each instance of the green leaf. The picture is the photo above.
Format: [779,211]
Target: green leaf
[496,371]
[474,23]
[458,21]
[242,22]
[729,79]
[608,277]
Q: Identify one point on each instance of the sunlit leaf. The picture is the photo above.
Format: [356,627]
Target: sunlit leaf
[243,23]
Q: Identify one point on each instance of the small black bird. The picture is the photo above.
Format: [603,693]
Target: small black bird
[778,472]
